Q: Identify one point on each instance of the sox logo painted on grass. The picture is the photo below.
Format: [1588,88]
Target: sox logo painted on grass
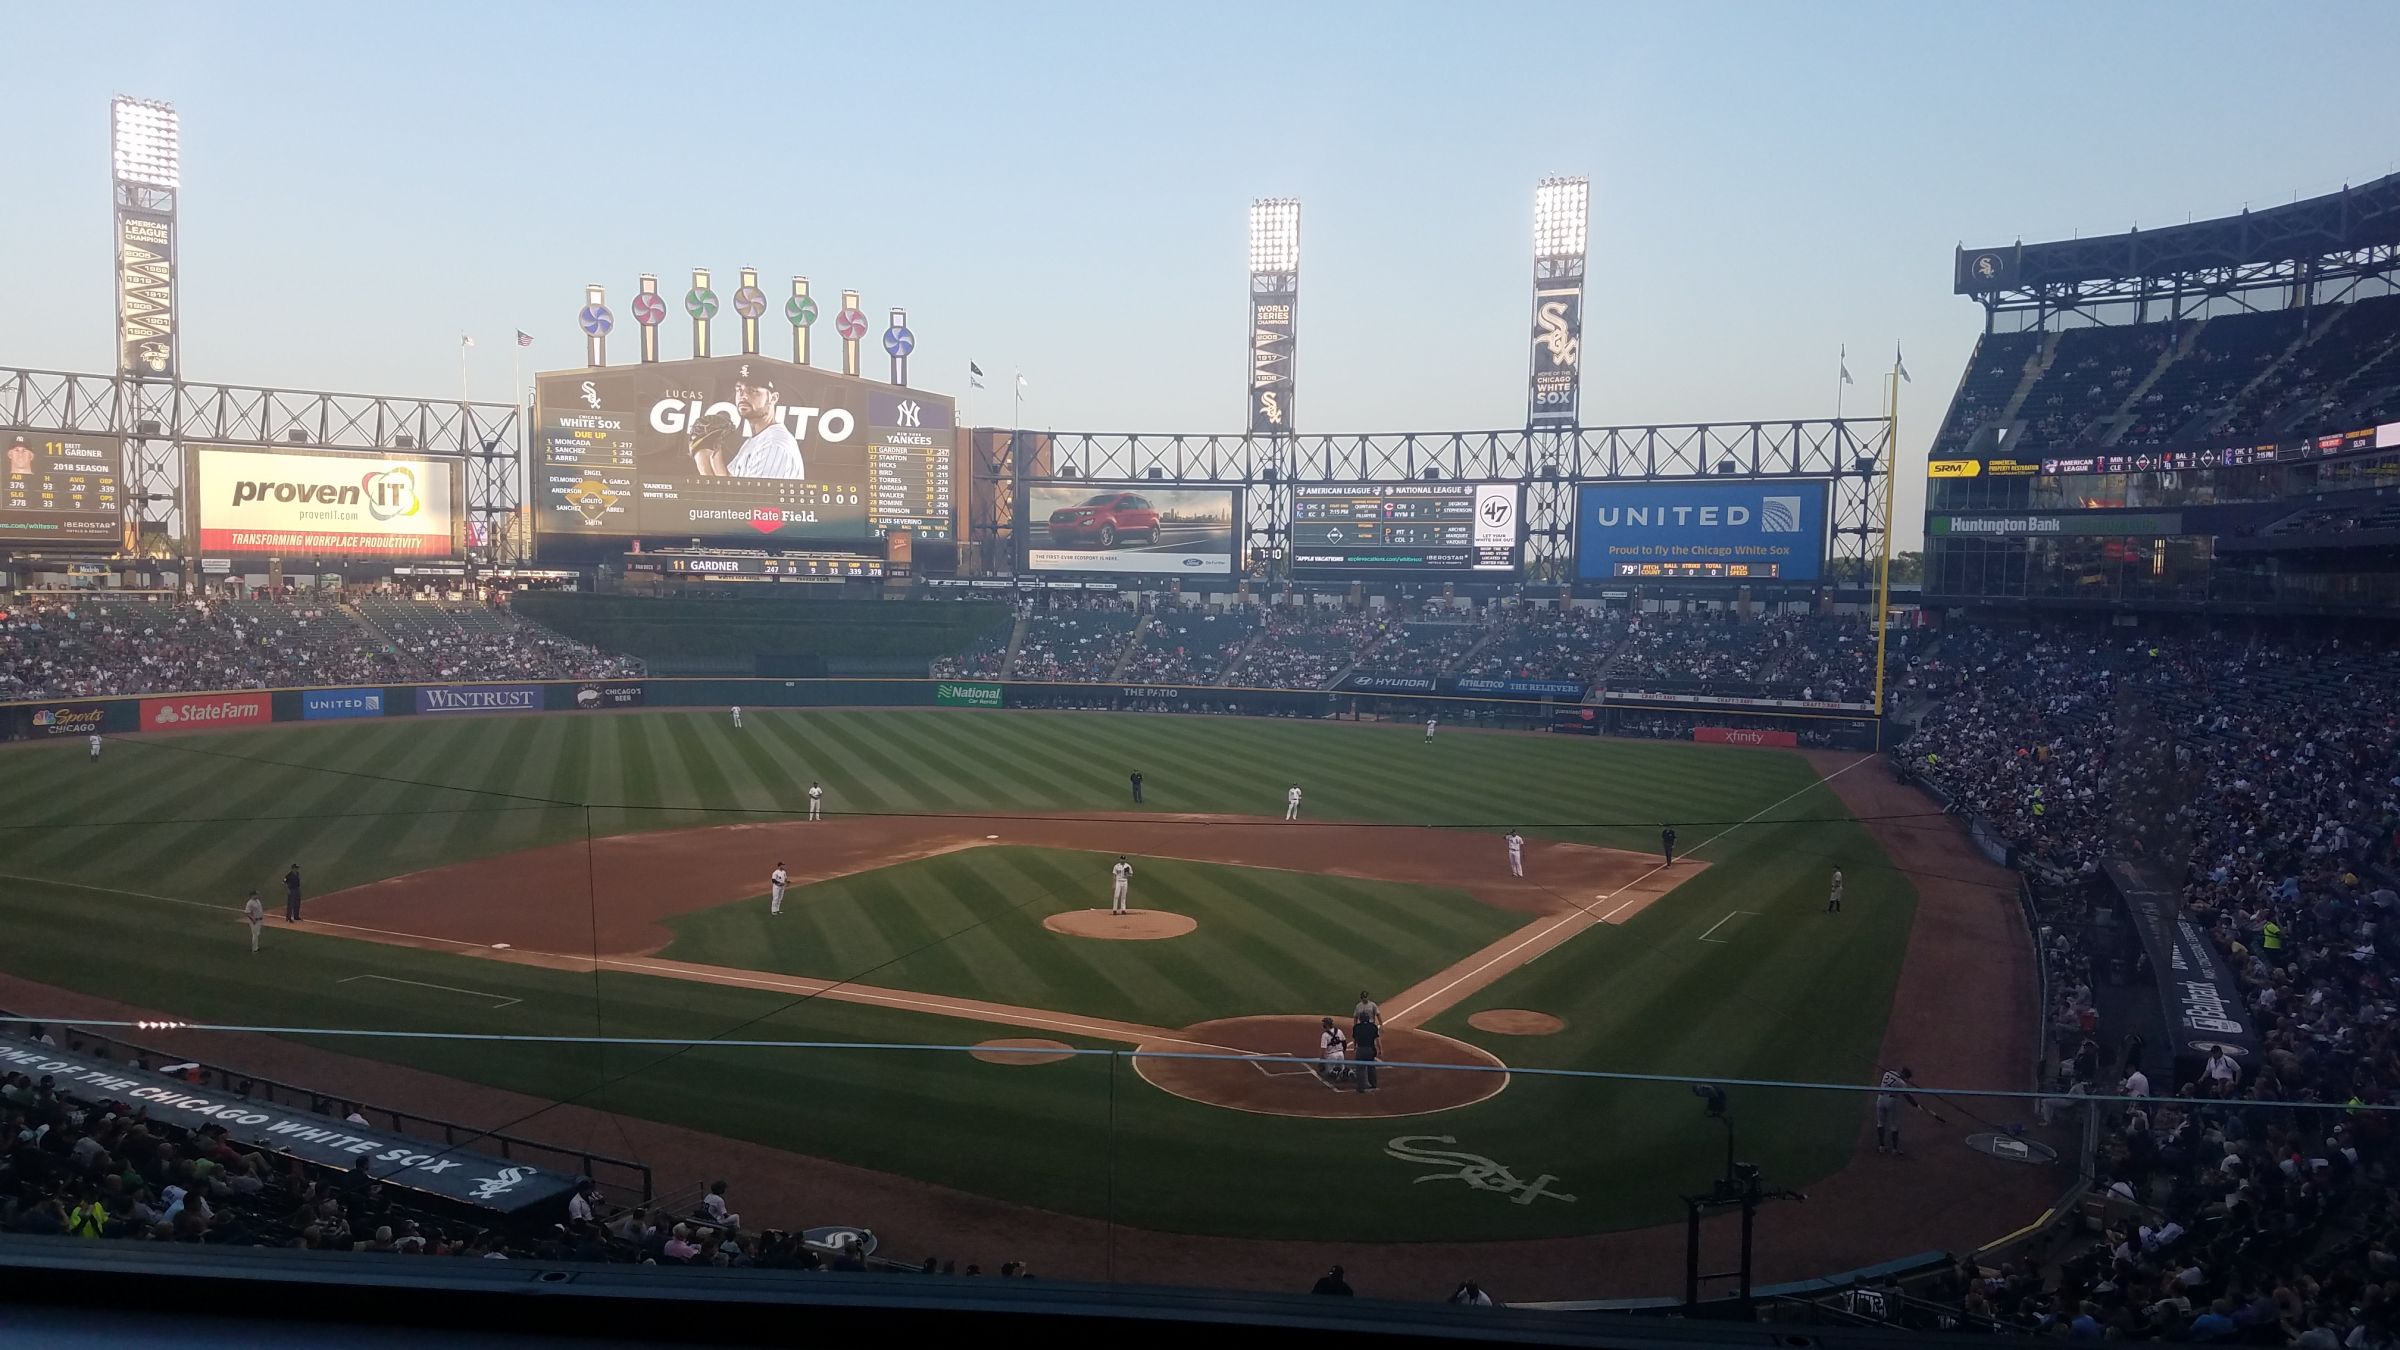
[1477,1171]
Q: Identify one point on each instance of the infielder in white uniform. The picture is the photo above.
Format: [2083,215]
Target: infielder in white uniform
[776,881]
[737,717]
[816,802]
[1120,882]
[1833,897]
[1291,803]
[95,748]
[1516,854]
[255,914]
[1430,724]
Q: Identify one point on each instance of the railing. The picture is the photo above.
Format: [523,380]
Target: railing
[452,1134]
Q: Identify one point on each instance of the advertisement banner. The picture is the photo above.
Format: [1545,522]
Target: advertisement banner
[1745,736]
[146,293]
[1144,528]
[1576,721]
[485,1182]
[68,719]
[1467,684]
[207,710]
[319,704]
[1389,684]
[316,502]
[479,698]
[59,487]
[953,694]
[2074,522]
[2202,1002]
[1557,352]
[739,447]
[1740,529]
[1274,335]
[615,695]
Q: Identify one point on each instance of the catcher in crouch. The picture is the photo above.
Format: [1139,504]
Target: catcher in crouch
[768,449]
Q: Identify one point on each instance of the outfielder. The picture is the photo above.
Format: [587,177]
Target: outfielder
[1120,883]
[1833,898]
[816,802]
[254,914]
[737,717]
[95,747]
[1516,854]
[776,881]
[1430,724]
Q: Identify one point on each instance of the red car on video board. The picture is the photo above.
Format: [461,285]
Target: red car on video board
[1104,520]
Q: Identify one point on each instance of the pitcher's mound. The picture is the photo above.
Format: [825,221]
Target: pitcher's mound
[1516,1022]
[1021,1050]
[1289,1081]
[1134,924]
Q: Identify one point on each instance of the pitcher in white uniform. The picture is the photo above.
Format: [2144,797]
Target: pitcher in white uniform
[1120,884]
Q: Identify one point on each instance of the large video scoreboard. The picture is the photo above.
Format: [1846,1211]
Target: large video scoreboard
[1472,528]
[739,447]
[59,488]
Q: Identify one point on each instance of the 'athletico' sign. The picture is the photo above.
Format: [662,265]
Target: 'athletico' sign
[397,1160]
[480,698]
[206,710]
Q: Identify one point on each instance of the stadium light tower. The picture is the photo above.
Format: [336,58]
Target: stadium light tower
[1561,211]
[146,140]
[1274,312]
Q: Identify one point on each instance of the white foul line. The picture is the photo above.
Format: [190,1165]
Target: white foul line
[1547,929]
[1704,937]
[501,1000]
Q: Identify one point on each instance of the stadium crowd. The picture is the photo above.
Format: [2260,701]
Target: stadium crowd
[2253,1201]
[86,646]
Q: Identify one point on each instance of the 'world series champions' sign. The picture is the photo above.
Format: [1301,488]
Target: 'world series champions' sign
[1274,331]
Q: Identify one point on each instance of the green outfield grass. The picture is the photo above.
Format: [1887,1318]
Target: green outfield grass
[1780,991]
[970,925]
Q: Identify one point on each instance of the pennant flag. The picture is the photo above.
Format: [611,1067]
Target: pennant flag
[1900,364]
[974,375]
[524,339]
[1020,379]
[465,342]
[1846,367]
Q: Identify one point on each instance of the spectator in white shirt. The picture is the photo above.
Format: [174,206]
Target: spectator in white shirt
[714,1204]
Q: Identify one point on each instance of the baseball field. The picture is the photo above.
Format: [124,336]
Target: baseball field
[602,878]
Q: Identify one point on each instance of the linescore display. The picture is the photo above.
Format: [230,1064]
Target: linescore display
[1408,527]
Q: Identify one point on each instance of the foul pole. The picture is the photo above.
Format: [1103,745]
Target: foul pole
[1883,573]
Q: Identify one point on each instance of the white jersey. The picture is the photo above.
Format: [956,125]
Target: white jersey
[1430,724]
[769,453]
[1892,1083]
[1123,872]
[1292,797]
[254,911]
[1516,846]
[778,879]
[816,794]
[95,745]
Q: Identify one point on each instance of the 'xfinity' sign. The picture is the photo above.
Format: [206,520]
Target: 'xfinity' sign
[1778,525]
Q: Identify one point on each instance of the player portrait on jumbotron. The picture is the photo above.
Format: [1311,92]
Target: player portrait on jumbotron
[766,446]
[20,458]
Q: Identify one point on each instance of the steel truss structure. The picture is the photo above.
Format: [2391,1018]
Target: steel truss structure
[2342,246]
[157,417]
[1852,454]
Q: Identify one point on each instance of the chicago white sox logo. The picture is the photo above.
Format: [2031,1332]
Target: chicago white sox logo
[1477,1171]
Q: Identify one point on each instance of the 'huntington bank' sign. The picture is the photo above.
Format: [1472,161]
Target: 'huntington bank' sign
[2073,522]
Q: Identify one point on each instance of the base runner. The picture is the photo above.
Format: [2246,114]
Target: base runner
[1120,883]
[776,881]
[1291,803]
[816,802]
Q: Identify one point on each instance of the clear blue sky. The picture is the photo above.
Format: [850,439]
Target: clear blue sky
[1063,187]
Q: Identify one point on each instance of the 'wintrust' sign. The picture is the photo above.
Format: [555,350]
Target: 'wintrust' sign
[480,698]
